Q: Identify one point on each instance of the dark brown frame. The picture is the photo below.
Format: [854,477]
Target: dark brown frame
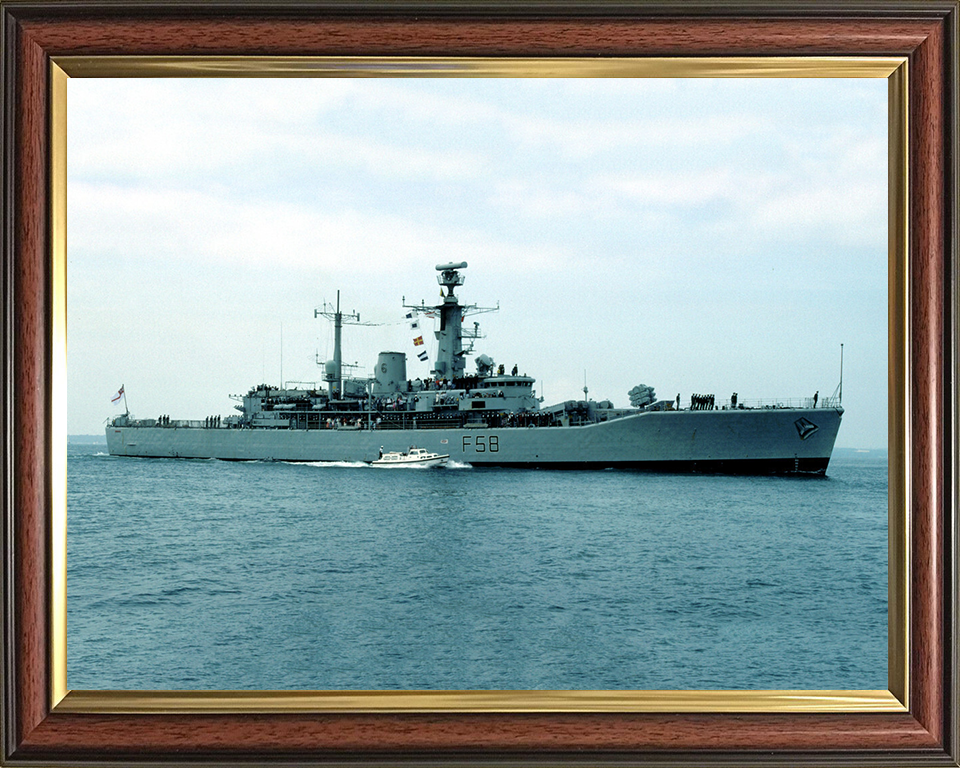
[925,32]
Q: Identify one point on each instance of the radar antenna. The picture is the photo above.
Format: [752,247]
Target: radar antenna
[449,277]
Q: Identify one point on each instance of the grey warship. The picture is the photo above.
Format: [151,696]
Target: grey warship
[489,417]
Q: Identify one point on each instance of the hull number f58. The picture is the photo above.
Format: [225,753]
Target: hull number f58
[481,443]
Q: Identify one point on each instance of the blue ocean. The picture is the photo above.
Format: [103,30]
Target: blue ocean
[189,574]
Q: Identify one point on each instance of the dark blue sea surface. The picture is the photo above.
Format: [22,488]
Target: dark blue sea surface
[186,574]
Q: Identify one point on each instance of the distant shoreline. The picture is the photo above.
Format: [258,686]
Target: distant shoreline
[848,453]
[98,439]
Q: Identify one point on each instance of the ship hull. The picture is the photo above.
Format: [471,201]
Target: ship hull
[749,441]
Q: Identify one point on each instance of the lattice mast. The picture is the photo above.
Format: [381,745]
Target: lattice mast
[333,369]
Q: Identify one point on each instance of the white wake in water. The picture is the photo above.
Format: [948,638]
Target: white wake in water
[355,464]
[348,464]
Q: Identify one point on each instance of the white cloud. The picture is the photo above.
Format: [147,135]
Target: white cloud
[850,211]
[160,151]
[685,189]
[588,138]
[201,227]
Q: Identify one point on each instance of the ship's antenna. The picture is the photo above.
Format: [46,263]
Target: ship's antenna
[334,374]
[281,356]
[585,390]
[841,374]
[337,361]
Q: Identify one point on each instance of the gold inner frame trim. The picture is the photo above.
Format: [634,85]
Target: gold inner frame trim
[898,394]
[58,389]
[385,702]
[894,69]
[416,66]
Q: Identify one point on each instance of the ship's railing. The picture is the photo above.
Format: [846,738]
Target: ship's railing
[179,423]
[770,404]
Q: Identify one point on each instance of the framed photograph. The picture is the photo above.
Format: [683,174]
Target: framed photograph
[95,95]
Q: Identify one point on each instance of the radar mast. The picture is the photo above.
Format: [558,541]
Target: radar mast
[449,363]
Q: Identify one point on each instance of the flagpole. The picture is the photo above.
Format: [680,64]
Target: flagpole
[125,406]
[841,373]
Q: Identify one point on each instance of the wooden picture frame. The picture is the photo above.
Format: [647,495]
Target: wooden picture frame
[39,728]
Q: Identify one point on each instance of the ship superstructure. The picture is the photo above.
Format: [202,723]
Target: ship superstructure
[489,417]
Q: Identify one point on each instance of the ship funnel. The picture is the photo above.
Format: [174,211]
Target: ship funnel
[448,267]
[390,375]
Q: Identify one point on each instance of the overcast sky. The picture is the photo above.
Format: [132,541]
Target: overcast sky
[704,236]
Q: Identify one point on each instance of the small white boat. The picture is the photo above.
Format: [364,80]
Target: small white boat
[413,457]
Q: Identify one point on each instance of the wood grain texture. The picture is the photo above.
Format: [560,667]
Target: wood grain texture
[918,737]
[297,735]
[429,37]
[30,356]
[927,163]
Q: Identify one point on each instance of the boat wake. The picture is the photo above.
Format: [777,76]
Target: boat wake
[402,466]
[458,465]
[347,464]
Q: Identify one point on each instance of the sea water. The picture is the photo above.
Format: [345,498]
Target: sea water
[190,574]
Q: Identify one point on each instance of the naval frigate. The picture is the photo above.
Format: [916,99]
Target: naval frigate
[489,417]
